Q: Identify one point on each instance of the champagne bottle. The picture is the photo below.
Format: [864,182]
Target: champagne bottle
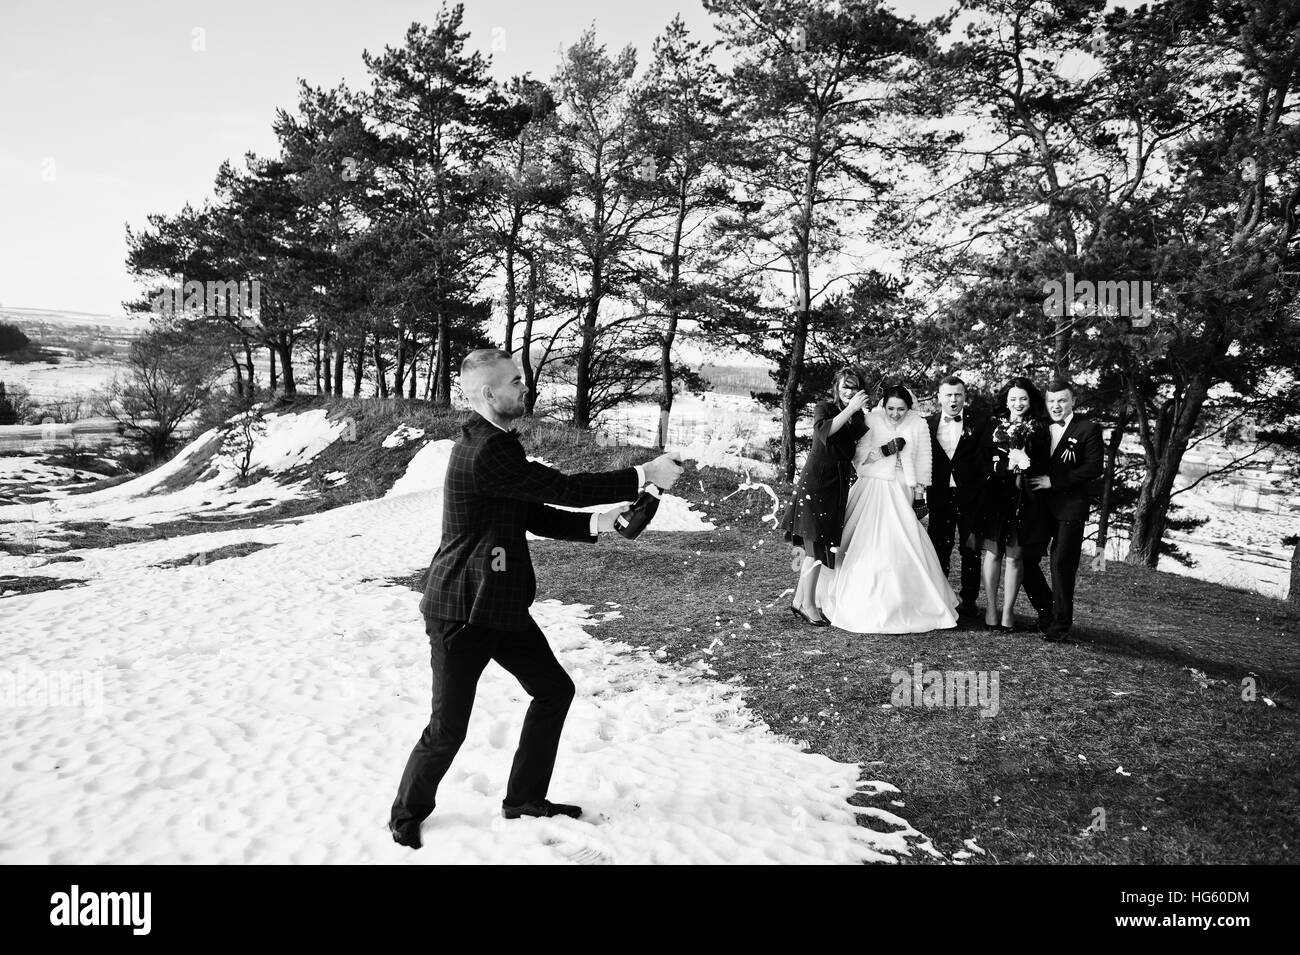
[634,520]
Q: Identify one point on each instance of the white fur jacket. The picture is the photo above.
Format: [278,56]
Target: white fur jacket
[914,461]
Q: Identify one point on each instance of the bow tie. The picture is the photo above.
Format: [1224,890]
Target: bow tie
[946,419]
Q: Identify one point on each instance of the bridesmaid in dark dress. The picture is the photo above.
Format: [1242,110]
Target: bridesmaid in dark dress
[1012,520]
[815,517]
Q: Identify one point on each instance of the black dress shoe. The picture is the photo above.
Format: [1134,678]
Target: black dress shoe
[542,808]
[969,610]
[1045,619]
[1056,635]
[809,620]
[408,836]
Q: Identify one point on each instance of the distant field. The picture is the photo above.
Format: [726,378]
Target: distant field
[23,317]
[737,379]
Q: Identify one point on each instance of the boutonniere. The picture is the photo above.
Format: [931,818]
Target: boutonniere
[1068,453]
[966,431]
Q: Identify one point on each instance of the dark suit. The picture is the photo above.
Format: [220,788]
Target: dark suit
[476,599]
[1077,461]
[955,508]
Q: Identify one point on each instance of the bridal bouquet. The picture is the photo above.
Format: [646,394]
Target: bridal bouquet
[1017,435]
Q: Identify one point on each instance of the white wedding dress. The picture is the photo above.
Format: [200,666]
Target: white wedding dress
[887,578]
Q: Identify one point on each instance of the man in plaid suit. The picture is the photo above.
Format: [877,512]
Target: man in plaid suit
[481,584]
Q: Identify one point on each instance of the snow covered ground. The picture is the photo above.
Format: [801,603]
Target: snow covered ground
[260,709]
[289,441]
[25,473]
[71,376]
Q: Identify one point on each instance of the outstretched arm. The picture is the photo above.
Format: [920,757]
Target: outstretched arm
[502,469]
[547,521]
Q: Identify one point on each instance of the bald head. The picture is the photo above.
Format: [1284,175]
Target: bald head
[492,383]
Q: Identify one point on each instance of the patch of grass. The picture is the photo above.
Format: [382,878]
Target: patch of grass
[217,553]
[32,584]
[80,459]
[193,470]
[18,548]
[102,485]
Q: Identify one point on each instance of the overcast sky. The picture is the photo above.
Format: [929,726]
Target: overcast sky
[108,112]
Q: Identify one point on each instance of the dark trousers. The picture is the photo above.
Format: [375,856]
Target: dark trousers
[951,512]
[1057,599]
[458,652]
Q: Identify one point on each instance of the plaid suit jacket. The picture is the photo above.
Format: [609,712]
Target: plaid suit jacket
[482,572]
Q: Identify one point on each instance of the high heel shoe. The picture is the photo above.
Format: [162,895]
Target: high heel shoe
[807,619]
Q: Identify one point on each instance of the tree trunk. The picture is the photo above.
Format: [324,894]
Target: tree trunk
[359,367]
[270,353]
[526,346]
[674,308]
[248,363]
[442,364]
[1165,445]
[338,365]
[1108,482]
[239,376]
[327,355]
[285,347]
[413,378]
[803,232]
[582,396]
[399,366]
[381,373]
[316,368]
[1293,597]
[443,386]
[508,344]
[794,374]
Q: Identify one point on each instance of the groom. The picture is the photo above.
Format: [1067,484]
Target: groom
[481,583]
[954,489]
[1076,461]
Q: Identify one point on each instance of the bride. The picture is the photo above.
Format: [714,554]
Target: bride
[887,578]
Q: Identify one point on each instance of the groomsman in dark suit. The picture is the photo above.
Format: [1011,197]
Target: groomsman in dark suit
[1077,460]
[953,494]
[481,584]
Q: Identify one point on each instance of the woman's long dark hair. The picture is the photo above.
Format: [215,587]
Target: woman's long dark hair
[848,371]
[895,389]
[1037,406]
